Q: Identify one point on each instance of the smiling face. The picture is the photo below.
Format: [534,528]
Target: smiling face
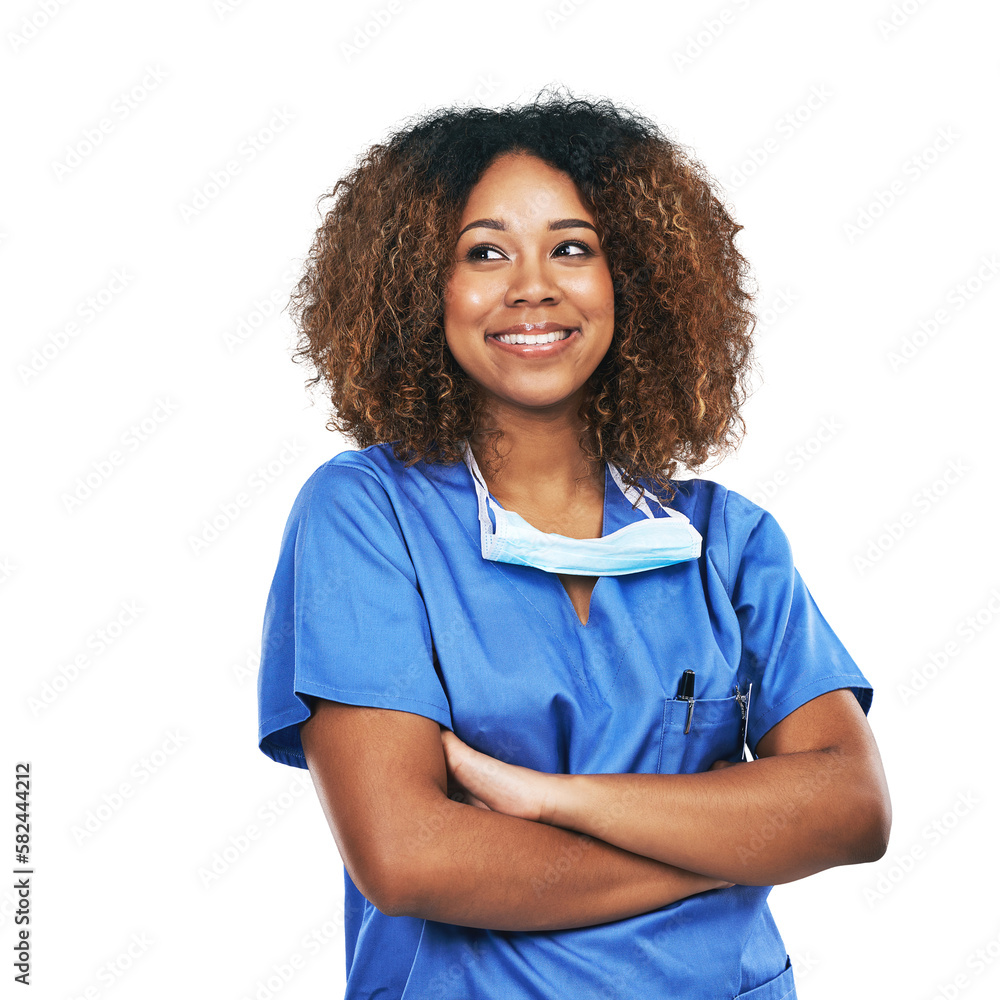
[528,258]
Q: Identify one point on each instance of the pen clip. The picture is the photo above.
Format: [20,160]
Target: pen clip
[744,701]
[685,692]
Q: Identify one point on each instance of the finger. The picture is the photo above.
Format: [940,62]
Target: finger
[458,793]
[453,747]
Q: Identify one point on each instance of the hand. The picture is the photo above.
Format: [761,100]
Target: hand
[489,783]
[719,764]
[459,794]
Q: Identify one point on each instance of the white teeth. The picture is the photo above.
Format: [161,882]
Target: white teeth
[534,338]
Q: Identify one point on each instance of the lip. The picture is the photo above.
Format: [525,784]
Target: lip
[536,350]
[549,327]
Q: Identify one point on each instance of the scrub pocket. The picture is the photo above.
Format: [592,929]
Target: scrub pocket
[716,733]
[782,987]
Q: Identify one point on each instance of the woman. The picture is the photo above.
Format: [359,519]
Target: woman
[519,659]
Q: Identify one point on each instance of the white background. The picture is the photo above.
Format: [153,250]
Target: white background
[146,771]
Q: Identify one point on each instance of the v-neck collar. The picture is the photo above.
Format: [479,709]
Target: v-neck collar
[616,512]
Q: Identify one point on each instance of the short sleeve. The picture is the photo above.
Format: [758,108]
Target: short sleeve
[789,651]
[345,619]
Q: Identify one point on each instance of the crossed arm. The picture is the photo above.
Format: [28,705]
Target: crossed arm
[815,798]
[535,851]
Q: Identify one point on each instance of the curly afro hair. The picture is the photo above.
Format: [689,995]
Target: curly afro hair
[369,307]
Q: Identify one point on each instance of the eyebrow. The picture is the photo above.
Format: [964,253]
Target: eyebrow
[556,224]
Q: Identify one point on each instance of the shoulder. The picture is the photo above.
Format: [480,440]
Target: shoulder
[373,482]
[733,527]
[350,483]
[377,460]
[354,470]
[715,506]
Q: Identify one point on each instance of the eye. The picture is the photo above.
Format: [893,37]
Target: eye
[587,252]
[476,252]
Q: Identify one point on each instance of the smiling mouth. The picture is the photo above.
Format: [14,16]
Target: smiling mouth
[533,338]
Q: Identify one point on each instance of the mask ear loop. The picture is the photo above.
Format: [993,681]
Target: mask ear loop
[632,494]
[489,537]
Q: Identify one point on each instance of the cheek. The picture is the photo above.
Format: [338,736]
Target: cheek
[593,289]
[598,301]
[467,308]
[466,299]
[608,291]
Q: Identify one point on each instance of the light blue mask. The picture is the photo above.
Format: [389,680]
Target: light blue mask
[647,544]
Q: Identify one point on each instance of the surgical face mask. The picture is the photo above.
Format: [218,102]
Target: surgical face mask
[647,544]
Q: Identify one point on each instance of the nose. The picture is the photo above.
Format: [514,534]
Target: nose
[532,281]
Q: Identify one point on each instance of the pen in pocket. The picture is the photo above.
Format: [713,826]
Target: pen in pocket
[685,692]
[744,701]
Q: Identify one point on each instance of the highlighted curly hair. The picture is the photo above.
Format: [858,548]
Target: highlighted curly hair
[370,305]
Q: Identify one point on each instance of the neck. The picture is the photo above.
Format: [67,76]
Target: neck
[539,457]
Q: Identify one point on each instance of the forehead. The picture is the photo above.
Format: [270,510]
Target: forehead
[525,188]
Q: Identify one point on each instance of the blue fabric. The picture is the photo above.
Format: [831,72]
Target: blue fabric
[381,597]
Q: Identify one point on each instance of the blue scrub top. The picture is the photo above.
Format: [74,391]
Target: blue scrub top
[382,597]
